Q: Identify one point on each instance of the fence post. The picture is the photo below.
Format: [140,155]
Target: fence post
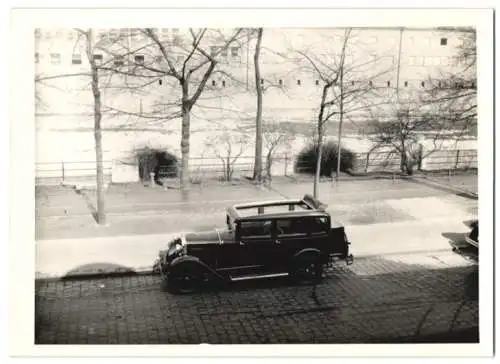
[286,164]
[62,170]
[457,158]
[152,179]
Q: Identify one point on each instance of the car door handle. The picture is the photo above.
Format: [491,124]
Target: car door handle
[277,242]
[242,243]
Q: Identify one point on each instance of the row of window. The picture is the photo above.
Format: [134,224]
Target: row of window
[166,32]
[419,61]
[103,33]
[76,58]
[369,83]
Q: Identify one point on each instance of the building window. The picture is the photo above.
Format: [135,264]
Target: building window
[298,82]
[235,51]
[223,83]
[261,81]
[180,59]
[422,84]
[98,58]
[224,52]
[139,59]
[406,83]
[76,59]
[38,33]
[317,82]
[444,41]
[370,83]
[158,59]
[388,83]
[160,82]
[213,51]
[119,61]
[280,82]
[213,83]
[37,57]
[55,58]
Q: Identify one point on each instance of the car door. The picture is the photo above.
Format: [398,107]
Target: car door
[292,236]
[296,234]
[253,240]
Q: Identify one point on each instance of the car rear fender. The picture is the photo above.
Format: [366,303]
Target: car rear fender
[189,259]
[307,253]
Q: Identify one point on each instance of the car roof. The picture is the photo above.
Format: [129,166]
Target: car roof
[288,214]
[308,204]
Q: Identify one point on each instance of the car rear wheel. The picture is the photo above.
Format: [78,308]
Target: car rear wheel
[307,270]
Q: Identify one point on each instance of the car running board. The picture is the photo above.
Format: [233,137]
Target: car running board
[471,241]
[258,276]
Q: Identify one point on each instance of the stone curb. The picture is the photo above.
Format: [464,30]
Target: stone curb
[441,185]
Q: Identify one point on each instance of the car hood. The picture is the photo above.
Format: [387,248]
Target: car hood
[209,236]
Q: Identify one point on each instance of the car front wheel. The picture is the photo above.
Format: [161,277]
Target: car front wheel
[188,278]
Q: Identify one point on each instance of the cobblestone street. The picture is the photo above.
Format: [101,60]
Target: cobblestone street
[374,300]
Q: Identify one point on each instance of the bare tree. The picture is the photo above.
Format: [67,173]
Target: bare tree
[276,137]
[228,147]
[403,132]
[189,64]
[453,95]
[257,173]
[343,93]
[87,37]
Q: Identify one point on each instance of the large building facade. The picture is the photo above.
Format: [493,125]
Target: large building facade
[295,63]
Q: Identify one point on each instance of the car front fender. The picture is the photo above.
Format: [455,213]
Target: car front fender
[188,259]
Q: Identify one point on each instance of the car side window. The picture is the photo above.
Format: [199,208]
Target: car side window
[319,225]
[291,228]
[256,229]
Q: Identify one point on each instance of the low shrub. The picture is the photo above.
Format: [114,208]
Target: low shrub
[160,162]
[308,156]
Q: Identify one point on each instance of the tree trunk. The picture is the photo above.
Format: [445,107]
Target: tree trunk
[318,160]
[101,214]
[185,133]
[339,149]
[269,163]
[257,172]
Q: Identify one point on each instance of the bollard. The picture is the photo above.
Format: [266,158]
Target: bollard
[152,179]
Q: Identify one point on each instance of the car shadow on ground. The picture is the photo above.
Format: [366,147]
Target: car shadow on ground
[98,270]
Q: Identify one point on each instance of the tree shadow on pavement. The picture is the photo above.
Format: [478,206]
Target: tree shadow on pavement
[90,205]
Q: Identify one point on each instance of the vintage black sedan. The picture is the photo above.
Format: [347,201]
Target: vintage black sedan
[472,237]
[294,238]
